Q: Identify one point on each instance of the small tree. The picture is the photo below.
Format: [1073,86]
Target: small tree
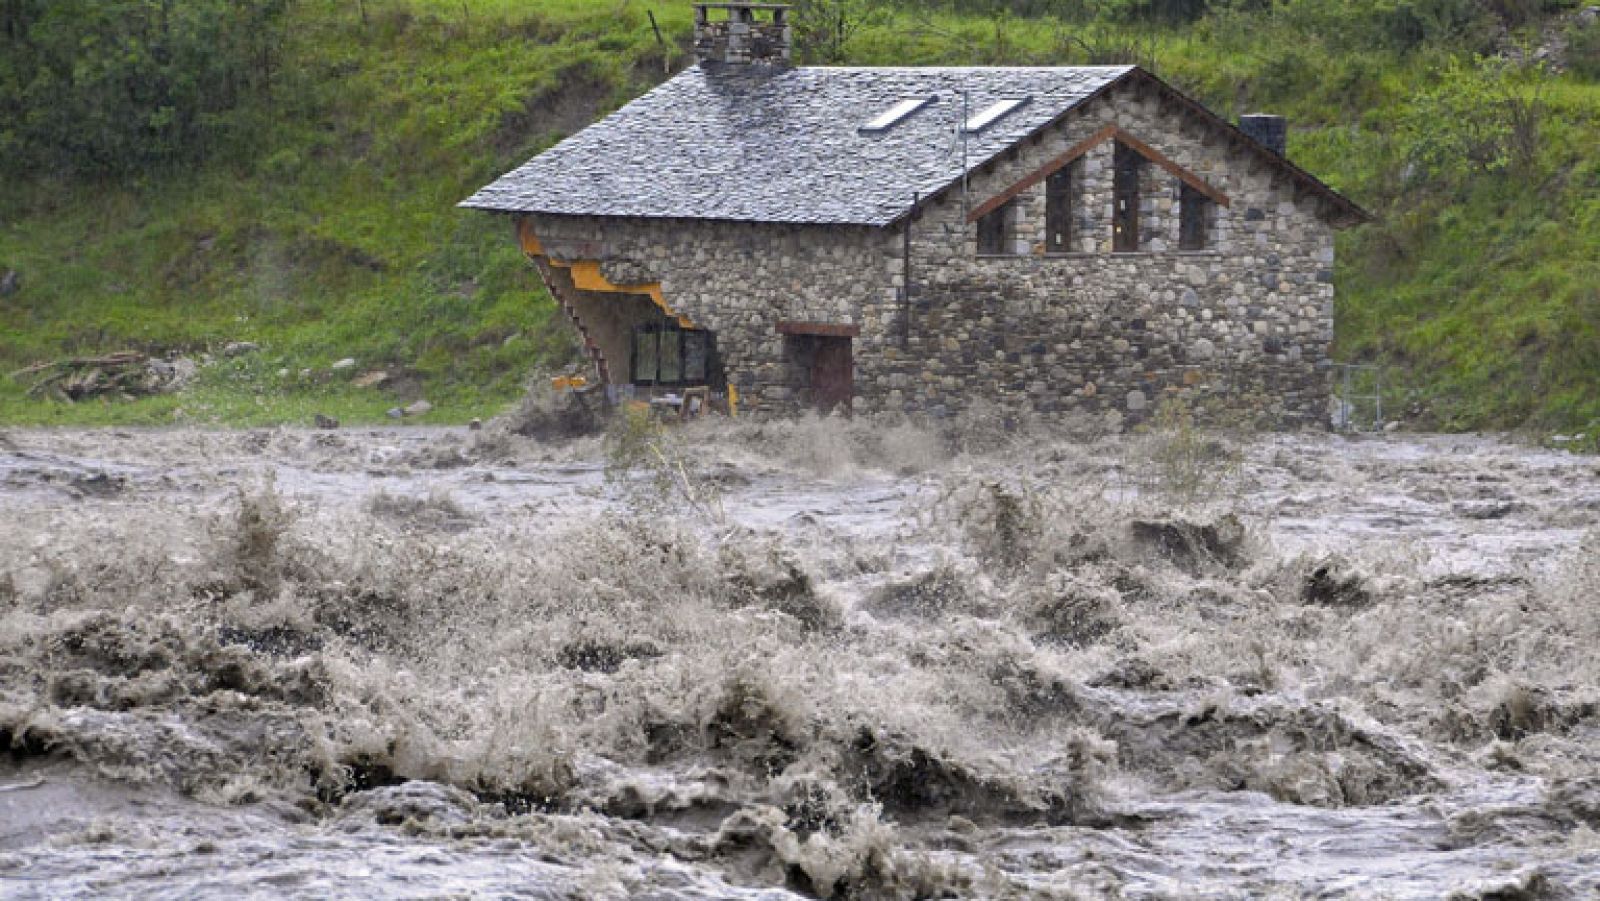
[1485,116]
[822,28]
[107,86]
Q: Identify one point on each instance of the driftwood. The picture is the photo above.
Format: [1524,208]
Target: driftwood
[22,786]
[75,378]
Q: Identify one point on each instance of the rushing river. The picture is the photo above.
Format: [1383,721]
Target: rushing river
[813,659]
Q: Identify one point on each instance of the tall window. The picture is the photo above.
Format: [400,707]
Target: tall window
[668,355]
[1058,210]
[1126,168]
[995,231]
[1194,219]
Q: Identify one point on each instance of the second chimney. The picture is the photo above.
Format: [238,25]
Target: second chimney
[1273,131]
[742,38]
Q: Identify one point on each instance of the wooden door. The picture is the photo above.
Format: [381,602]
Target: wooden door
[832,374]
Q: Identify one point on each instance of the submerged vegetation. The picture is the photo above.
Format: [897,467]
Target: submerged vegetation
[286,174]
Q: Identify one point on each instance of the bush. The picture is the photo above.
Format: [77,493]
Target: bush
[1481,117]
[110,86]
[1583,49]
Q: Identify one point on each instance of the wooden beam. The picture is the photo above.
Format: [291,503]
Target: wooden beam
[824,329]
[1175,170]
[1084,146]
[1042,173]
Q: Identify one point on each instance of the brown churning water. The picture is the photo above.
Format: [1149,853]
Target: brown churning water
[816,659]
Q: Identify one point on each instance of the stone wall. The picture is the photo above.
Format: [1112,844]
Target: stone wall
[739,280]
[1244,324]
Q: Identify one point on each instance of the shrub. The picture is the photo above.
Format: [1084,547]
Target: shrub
[1583,49]
[1483,117]
[109,86]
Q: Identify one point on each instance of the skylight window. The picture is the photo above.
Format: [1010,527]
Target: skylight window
[894,114]
[994,113]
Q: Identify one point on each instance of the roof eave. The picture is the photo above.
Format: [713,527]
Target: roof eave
[523,211]
[1346,212]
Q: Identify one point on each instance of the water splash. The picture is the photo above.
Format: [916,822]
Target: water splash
[890,662]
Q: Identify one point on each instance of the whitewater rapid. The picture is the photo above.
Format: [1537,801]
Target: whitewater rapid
[816,659]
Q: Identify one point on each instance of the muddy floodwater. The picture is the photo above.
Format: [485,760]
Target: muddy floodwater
[818,659]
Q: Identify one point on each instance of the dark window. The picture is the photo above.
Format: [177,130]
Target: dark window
[645,357]
[668,355]
[671,357]
[694,356]
[1058,210]
[1126,168]
[1194,219]
[994,231]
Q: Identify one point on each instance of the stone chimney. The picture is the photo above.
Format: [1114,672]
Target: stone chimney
[1272,131]
[745,34]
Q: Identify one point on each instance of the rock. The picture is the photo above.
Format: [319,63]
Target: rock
[99,484]
[1136,400]
[240,348]
[475,425]
[1189,544]
[1332,583]
[283,373]
[1484,510]
[183,372]
[1392,426]
[371,379]
[10,283]
[394,413]
[419,408]
[305,373]
[326,422]
[342,365]
[418,801]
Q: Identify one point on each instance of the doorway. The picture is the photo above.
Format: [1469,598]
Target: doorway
[821,371]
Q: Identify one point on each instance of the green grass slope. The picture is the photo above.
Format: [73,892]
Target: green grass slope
[339,237]
[336,235]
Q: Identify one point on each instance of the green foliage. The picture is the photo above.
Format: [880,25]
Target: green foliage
[823,28]
[655,470]
[1181,464]
[112,86]
[1484,116]
[1583,49]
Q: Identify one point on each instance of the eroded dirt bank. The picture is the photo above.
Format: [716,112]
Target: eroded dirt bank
[815,659]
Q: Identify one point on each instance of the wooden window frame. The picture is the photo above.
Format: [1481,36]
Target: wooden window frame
[1060,209]
[998,226]
[654,378]
[1194,219]
[1127,173]
[1084,146]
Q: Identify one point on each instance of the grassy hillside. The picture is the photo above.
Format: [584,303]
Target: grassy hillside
[332,233]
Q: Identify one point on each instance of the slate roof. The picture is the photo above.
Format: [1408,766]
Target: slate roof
[759,144]
[770,144]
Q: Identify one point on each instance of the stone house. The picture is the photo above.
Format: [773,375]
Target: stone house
[1038,240]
